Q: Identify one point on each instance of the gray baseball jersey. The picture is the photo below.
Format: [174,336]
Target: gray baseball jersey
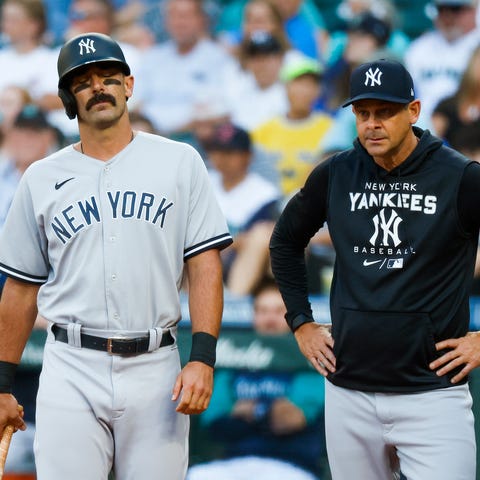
[107,241]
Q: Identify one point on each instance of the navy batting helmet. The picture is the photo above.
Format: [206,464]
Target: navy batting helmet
[82,50]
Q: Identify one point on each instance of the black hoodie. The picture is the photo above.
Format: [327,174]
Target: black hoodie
[404,262]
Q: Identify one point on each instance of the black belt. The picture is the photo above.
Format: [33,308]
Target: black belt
[114,345]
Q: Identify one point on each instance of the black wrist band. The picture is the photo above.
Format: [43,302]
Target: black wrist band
[7,376]
[299,320]
[204,348]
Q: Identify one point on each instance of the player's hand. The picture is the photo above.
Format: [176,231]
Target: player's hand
[464,351]
[11,413]
[316,344]
[195,385]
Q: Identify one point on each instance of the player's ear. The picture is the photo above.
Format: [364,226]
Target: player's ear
[129,81]
[69,102]
[414,110]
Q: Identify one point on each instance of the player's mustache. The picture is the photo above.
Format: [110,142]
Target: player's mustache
[99,98]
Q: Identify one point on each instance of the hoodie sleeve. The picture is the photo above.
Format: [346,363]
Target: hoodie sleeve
[303,216]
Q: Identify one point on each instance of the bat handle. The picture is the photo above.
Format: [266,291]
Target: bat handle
[4,446]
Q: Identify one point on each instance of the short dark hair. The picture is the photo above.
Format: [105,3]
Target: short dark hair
[266,283]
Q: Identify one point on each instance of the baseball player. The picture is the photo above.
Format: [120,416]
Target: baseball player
[402,211]
[99,238]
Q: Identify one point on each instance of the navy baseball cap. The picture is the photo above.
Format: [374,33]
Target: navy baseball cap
[262,43]
[229,138]
[382,79]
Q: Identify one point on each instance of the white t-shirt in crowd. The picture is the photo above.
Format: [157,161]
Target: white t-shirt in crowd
[168,85]
[437,65]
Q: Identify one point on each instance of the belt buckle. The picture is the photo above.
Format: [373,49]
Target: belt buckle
[111,346]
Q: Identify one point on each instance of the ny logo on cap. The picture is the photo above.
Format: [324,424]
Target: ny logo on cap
[87,45]
[373,77]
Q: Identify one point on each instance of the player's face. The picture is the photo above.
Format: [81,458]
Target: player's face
[101,92]
[385,129]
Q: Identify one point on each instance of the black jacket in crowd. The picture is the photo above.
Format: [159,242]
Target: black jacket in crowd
[405,243]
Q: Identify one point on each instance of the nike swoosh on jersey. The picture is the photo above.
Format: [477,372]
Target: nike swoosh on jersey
[367,263]
[61,184]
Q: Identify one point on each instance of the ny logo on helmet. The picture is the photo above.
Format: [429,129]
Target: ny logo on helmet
[388,228]
[86,45]
[373,76]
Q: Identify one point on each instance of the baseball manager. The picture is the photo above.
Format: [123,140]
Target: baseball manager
[98,239]
[402,211]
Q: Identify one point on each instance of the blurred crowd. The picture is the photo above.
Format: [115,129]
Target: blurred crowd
[255,85]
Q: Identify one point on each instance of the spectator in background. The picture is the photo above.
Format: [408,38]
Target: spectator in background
[208,115]
[286,147]
[267,421]
[257,15]
[460,112]
[26,61]
[89,16]
[12,101]
[99,16]
[255,94]
[141,122]
[180,72]
[131,25]
[438,58]
[302,23]
[349,10]
[249,203]
[128,13]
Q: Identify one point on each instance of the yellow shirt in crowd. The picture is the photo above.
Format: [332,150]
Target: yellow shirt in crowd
[292,146]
